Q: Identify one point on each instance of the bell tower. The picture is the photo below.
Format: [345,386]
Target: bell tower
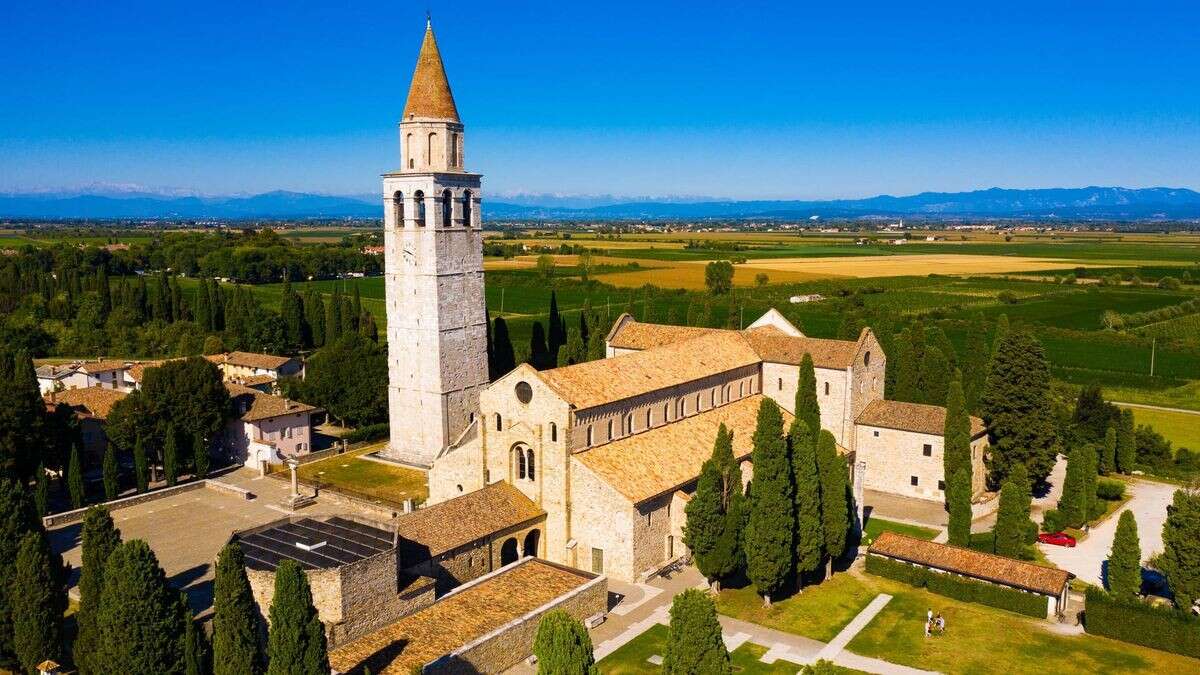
[436,322]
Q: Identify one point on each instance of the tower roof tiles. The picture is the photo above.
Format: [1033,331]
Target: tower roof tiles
[429,94]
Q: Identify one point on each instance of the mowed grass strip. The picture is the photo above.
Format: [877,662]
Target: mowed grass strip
[1181,428]
[633,657]
[819,612]
[877,526]
[364,478]
[980,639]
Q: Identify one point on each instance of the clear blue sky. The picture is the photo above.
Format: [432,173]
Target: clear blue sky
[688,98]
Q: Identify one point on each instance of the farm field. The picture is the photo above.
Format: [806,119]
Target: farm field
[1182,429]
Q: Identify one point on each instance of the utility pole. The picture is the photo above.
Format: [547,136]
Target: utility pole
[1153,344]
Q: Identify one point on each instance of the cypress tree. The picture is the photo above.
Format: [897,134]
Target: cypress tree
[1126,448]
[555,336]
[203,307]
[22,414]
[491,350]
[694,643]
[1074,503]
[333,318]
[356,309]
[1180,559]
[563,646]
[367,327]
[41,492]
[291,311]
[595,343]
[100,538]
[195,645]
[807,408]
[907,377]
[170,456]
[1125,560]
[1091,503]
[112,484]
[1108,455]
[1012,515]
[999,333]
[539,355]
[1018,408]
[349,318]
[314,309]
[200,459]
[934,376]
[235,647]
[974,364]
[707,512]
[958,497]
[104,291]
[17,518]
[38,600]
[573,351]
[835,507]
[502,344]
[956,434]
[810,535]
[768,534]
[139,620]
[141,466]
[296,641]
[162,299]
[75,479]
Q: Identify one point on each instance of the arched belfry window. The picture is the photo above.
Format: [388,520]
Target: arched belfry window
[398,208]
[429,153]
[589,436]
[408,148]
[447,208]
[529,464]
[520,462]
[419,207]
[499,423]
[553,432]
[466,208]
[453,149]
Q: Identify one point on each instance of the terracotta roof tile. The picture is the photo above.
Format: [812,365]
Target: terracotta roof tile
[250,360]
[606,380]
[429,94]
[968,562]
[769,342]
[637,335]
[918,417]
[661,460]
[434,530]
[464,615]
[96,401]
[102,366]
[265,406]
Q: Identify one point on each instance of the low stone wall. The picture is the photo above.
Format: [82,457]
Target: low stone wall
[367,612]
[76,515]
[512,643]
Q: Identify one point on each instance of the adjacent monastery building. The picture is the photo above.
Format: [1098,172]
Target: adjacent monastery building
[609,450]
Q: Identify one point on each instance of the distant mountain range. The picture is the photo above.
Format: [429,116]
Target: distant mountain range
[1044,204]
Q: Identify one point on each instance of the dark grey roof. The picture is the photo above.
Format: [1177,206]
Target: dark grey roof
[315,544]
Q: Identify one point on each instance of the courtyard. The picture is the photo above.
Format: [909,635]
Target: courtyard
[359,476]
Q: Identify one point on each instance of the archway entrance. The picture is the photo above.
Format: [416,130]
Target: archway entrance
[508,551]
[531,543]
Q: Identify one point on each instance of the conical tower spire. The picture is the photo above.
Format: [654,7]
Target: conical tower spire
[429,95]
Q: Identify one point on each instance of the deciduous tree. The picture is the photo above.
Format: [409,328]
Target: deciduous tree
[694,643]
[718,277]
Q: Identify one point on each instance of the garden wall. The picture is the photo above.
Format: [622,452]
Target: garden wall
[1135,621]
[960,587]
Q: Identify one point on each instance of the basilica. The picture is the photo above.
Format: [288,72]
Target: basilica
[609,450]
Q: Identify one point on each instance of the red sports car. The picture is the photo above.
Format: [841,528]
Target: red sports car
[1057,539]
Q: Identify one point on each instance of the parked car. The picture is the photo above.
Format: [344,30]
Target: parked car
[1057,539]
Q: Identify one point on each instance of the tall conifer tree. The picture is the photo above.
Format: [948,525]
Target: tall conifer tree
[506,360]
[1126,447]
[17,518]
[38,600]
[539,354]
[707,532]
[1108,455]
[296,640]
[170,456]
[100,538]
[956,435]
[768,536]
[694,643]
[235,643]
[958,497]
[75,479]
[1012,515]
[1017,407]
[140,617]
[1125,560]
[807,408]
[835,507]
[141,465]
[563,647]
[112,479]
[810,533]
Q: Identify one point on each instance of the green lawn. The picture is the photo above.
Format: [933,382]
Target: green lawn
[877,526]
[631,658]
[982,639]
[820,612]
[1182,429]
[368,479]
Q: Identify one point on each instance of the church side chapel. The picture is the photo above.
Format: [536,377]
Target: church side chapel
[609,450]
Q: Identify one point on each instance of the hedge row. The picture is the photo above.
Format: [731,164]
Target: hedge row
[371,432]
[1142,624]
[960,588]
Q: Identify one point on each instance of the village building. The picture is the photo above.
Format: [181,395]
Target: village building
[266,427]
[54,377]
[1049,582]
[91,406]
[257,370]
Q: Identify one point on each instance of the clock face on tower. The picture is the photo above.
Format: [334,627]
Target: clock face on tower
[409,258]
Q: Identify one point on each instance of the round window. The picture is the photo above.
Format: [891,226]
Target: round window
[524,392]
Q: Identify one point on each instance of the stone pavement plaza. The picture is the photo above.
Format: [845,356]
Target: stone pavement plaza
[188,529]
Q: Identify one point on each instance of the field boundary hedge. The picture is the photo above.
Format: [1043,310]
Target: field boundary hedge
[959,587]
[1134,621]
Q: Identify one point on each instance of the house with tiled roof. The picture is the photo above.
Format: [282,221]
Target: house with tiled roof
[91,406]
[266,427]
[244,367]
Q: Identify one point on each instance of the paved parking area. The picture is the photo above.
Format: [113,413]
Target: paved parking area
[187,530]
[1148,502]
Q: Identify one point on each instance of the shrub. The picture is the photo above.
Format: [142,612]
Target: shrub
[959,587]
[1053,521]
[370,432]
[1135,621]
[1110,489]
[1007,297]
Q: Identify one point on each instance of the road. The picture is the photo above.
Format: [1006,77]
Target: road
[1155,407]
[1148,502]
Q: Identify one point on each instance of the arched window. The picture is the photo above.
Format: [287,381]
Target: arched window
[679,413]
[697,403]
[741,389]
[499,423]
[781,384]
[713,398]
[629,424]
[610,430]
[826,388]
[466,217]
[419,207]
[529,464]
[867,359]
[398,208]
[447,208]
[408,148]
[453,148]
[649,419]
[553,432]
[666,412]
[589,435]
[520,462]
[429,149]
